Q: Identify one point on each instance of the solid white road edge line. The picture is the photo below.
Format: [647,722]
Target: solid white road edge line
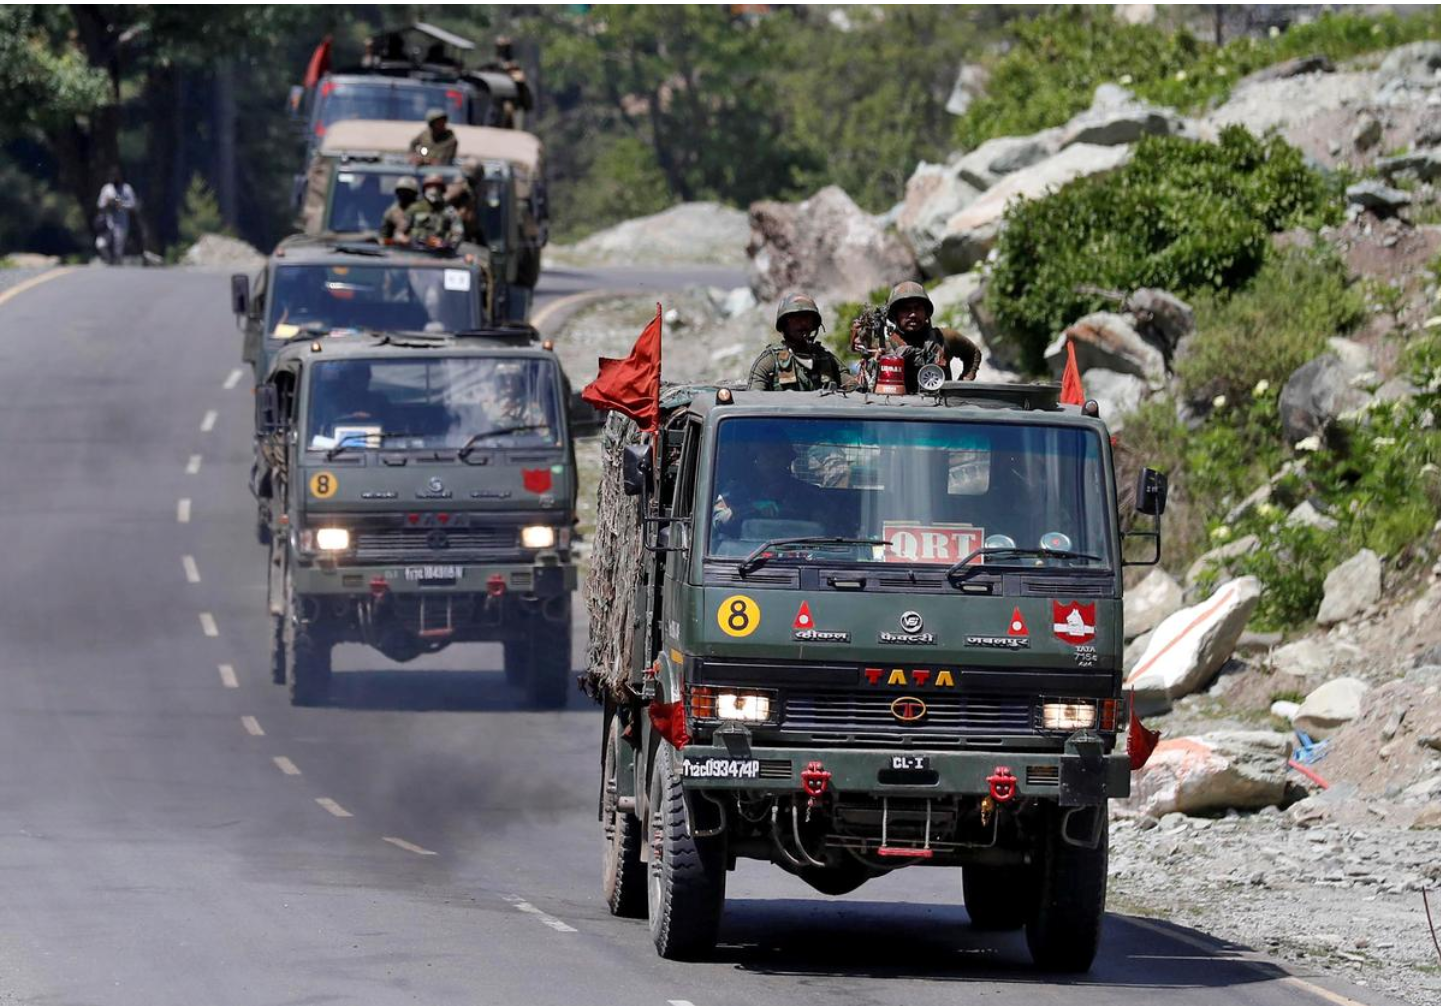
[401,843]
[192,571]
[192,467]
[232,379]
[286,765]
[207,624]
[545,919]
[252,726]
[227,676]
[182,510]
[208,423]
[334,808]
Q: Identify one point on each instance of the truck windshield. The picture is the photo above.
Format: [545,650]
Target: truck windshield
[933,491]
[339,101]
[441,402]
[386,298]
[359,199]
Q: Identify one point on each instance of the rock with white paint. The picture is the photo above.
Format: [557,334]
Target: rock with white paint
[1351,588]
[1189,647]
[1234,769]
[1331,706]
[1151,602]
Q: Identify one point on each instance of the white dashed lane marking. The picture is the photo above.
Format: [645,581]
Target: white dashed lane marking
[227,676]
[680,1002]
[333,807]
[208,423]
[286,765]
[207,624]
[182,510]
[192,467]
[522,905]
[401,843]
[192,571]
[232,379]
[252,726]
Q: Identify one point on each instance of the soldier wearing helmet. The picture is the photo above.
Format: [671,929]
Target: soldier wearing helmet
[437,142]
[432,222]
[918,342]
[799,362]
[395,225]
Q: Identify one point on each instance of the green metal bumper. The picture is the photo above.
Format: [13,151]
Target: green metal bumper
[522,579]
[861,771]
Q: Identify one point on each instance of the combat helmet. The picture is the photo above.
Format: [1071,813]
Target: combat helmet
[407,183]
[433,180]
[796,303]
[902,292]
[435,113]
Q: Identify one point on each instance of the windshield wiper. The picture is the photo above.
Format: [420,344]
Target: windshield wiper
[763,552]
[962,570]
[500,431]
[363,440]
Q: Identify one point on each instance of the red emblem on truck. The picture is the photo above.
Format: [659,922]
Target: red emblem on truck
[1017,627]
[536,480]
[803,617]
[1075,622]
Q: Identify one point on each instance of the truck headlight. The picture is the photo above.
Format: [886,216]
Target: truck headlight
[708,702]
[537,536]
[1076,714]
[332,539]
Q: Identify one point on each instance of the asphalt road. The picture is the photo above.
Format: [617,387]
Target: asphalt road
[173,832]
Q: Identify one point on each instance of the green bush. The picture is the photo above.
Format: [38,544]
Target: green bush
[623,181]
[1264,331]
[1180,215]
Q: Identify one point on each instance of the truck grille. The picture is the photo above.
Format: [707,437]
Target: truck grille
[418,544]
[948,718]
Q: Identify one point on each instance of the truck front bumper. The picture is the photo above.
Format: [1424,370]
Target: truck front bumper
[541,580]
[1081,775]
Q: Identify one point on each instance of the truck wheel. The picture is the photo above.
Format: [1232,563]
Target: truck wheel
[517,660]
[307,661]
[623,874]
[277,649]
[1064,930]
[687,875]
[548,675]
[998,898]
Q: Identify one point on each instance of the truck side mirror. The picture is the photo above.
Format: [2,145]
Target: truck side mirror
[635,468]
[267,410]
[1151,488]
[240,293]
[585,419]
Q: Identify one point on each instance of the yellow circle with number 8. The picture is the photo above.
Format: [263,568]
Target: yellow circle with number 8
[738,616]
[323,485]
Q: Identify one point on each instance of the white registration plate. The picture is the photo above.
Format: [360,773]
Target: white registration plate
[723,768]
[423,573]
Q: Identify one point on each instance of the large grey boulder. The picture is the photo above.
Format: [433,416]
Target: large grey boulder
[1163,318]
[1330,707]
[1416,63]
[1151,602]
[689,232]
[952,300]
[1189,647]
[970,83]
[971,233]
[1306,515]
[222,250]
[1302,659]
[1117,395]
[1377,197]
[1351,588]
[1315,394]
[1004,155]
[934,194]
[1108,341]
[1297,67]
[826,245]
[1116,116]
[1425,165]
[1225,770]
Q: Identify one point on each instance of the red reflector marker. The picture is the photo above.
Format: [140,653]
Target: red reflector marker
[495,586]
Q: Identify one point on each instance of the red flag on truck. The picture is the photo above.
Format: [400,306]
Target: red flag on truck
[319,64]
[1071,391]
[632,386]
[1140,742]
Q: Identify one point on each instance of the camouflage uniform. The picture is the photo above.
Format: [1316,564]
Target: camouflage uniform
[930,344]
[396,222]
[431,147]
[431,220]
[799,365]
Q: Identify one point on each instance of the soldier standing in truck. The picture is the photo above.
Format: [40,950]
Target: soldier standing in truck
[798,362]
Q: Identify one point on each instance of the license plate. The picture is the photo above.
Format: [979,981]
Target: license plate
[910,761]
[723,768]
[423,573]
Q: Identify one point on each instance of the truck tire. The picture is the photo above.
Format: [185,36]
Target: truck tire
[998,898]
[517,661]
[307,660]
[277,649]
[1064,929]
[549,678]
[687,875]
[623,874]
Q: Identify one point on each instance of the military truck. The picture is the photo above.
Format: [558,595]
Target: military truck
[422,490]
[351,182]
[850,633]
[327,283]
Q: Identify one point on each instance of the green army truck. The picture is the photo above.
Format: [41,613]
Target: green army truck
[324,284]
[421,491]
[851,633]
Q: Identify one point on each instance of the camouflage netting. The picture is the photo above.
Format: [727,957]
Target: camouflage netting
[610,586]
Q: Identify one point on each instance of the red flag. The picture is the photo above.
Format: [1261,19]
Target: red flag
[319,63]
[1071,391]
[1140,742]
[632,386]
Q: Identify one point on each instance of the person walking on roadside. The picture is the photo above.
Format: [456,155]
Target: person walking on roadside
[117,201]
